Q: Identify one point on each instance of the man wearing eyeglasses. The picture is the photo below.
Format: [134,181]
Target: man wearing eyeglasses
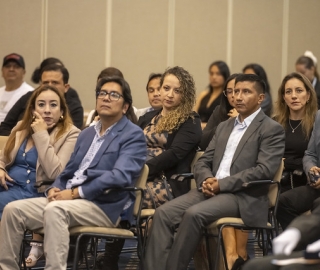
[107,155]
[13,70]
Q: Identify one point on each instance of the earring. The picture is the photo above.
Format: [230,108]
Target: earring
[61,118]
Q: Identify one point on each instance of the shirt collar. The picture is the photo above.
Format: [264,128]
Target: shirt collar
[98,125]
[248,120]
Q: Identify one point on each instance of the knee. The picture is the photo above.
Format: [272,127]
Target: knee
[192,214]
[10,209]
[53,209]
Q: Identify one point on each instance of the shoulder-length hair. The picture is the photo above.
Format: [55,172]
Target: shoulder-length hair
[63,124]
[225,106]
[179,115]
[282,112]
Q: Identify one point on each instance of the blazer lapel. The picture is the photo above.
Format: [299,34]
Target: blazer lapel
[108,140]
[251,129]
[223,140]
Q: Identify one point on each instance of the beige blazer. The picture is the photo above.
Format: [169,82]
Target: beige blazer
[53,155]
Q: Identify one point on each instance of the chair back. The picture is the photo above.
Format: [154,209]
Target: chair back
[274,188]
[195,159]
[3,140]
[141,183]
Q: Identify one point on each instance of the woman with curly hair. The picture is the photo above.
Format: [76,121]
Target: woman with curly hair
[172,135]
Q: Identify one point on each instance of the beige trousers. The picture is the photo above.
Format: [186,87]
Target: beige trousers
[56,217]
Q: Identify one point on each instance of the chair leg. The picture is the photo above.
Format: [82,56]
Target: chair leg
[219,242]
[76,253]
[206,235]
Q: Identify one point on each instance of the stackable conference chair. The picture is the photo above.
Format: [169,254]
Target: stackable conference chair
[237,223]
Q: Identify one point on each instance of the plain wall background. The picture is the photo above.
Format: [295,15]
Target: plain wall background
[144,36]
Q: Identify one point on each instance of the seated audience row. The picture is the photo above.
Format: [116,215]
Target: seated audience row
[52,72]
[172,135]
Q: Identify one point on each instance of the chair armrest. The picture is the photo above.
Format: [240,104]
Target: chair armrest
[42,183]
[257,182]
[182,176]
[106,191]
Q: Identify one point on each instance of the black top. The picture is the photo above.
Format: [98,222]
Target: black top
[204,111]
[295,146]
[207,134]
[16,112]
[179,151]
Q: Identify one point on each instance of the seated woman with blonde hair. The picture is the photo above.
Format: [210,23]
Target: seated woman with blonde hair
[37,149]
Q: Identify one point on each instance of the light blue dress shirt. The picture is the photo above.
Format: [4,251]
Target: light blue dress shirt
[233,141]
[79,176]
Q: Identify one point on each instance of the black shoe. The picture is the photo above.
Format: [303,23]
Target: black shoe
[238,263]
[111,254]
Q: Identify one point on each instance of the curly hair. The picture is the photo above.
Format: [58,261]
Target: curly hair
[282,112]
[173,120]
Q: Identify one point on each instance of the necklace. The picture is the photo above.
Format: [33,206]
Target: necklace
[293,129]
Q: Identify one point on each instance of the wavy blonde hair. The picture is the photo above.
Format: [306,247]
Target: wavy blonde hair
[282,111]
[173,120]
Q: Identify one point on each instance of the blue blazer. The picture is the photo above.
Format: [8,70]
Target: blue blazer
[117,163]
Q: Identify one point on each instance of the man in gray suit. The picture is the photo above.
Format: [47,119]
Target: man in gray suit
[246,148]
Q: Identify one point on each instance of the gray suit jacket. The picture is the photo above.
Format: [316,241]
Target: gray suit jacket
[257,157]
[312,154]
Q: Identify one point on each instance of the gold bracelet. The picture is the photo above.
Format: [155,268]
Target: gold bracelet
[72,194]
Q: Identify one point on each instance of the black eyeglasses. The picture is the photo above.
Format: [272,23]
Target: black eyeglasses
[228,92]
[114,96]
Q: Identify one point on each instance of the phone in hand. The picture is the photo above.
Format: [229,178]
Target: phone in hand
[313,177]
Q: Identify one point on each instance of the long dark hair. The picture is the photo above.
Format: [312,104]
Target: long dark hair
[224,70]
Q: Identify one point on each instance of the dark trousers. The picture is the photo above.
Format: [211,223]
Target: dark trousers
[294,202]
[192,212]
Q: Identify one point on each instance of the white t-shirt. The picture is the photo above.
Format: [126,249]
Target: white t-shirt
[9,98]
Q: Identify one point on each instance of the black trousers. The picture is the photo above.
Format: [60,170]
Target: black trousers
[295,202]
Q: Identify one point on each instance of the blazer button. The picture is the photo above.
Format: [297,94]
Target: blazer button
[28,181]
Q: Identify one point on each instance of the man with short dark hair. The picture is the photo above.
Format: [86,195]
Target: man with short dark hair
[13,71]
[246,148]
[108,155]
[72,99]
[153,90]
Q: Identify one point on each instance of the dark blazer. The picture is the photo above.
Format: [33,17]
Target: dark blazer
[257,156]
[317,89]
[117,163]
[16,112]
[179,151]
